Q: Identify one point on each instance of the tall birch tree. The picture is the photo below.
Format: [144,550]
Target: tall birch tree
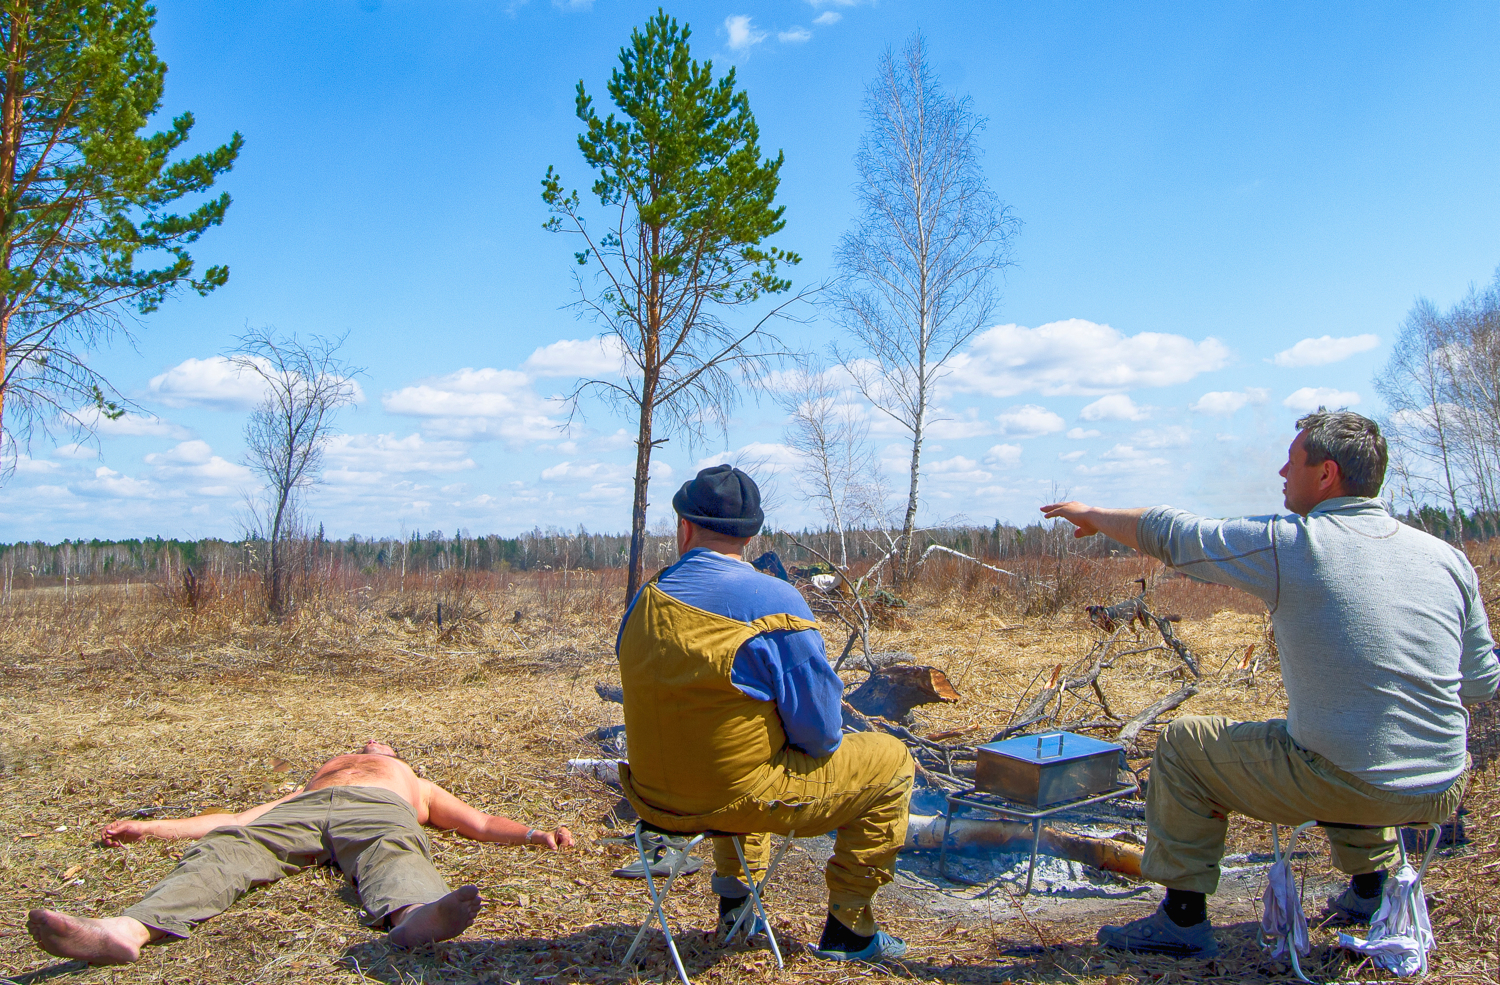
[919,265]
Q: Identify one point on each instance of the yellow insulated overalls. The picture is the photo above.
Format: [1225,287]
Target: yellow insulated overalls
[703,755]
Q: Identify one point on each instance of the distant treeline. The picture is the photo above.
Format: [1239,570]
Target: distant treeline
[26,564]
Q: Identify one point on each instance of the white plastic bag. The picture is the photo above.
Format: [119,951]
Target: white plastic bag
[1400,932]
[1282,920]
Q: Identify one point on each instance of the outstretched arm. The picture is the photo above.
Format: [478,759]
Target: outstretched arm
[448,812]
[1117,525]
[127,830]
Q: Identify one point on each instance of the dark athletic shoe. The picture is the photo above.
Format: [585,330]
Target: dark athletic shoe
[729,913]
[1349,908]
[883,947]
[1157,934]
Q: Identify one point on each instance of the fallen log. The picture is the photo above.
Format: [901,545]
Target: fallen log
[1132,730]
[926,831]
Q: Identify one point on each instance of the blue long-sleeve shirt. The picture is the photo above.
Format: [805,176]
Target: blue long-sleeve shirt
[789,668]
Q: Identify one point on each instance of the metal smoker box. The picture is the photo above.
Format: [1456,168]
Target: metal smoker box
[1042,770]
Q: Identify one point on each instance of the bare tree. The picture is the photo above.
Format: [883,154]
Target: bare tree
[838,468]
[1442,387]
[919,264]
[305,385]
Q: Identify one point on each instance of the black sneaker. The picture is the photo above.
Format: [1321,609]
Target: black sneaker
[1158,934]
[1348,908]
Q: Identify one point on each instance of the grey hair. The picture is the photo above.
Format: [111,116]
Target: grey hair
[1353,442]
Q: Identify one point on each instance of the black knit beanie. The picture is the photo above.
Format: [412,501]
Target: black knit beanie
[722,499]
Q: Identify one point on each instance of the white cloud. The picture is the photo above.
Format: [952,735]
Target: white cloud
[193,464]
[966,425]
[1072,456]
[585,471]
[742,33]
[819,4]
[109,484]
[601,355]
[1123,459]
[1324,350]
[129,425]
[1311,398]
[26,465]
[216,382]
[1028,421]
[1078,358]
[796,35]
[76,451]
[1079,434]
[1224,403]
[1167,437]
[956,469]
[478,403]
[1003,456]
[386,453]
[827,18]
[571,5]
[1115,407]
[186,453]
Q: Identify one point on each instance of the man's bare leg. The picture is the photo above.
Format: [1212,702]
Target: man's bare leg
[440,920]
[115,940]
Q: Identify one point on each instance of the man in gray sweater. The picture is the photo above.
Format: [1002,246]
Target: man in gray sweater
[1383,641]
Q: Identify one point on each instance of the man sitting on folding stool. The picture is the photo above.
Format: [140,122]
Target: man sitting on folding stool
[733,717]
[1383,641]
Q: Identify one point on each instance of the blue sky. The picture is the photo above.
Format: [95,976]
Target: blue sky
[1202,187]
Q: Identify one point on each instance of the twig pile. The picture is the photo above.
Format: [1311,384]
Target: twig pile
[1049,707]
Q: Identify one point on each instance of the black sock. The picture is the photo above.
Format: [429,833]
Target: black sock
[837,937]
[1186,908]
[1367,885]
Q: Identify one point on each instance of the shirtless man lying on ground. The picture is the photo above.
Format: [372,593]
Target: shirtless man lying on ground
[364,812]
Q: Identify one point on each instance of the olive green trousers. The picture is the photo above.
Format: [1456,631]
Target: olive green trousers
[1207,767]
[370,833]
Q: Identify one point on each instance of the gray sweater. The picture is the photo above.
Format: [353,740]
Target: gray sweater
[1381,630]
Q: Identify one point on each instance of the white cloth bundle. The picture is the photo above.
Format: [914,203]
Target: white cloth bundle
[1400,932]
[1282,919]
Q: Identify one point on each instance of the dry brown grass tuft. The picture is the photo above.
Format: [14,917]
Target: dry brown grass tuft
[117,699]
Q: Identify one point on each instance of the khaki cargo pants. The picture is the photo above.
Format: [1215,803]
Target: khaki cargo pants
[1206,767]
[370,833]
[861,792]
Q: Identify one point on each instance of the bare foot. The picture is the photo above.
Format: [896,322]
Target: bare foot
[117,940]
[437,921]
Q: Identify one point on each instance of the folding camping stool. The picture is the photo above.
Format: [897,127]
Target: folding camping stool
[1283,925]
[675,848]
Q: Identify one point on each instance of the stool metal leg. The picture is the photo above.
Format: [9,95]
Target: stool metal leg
[678,855]
[755,888]
[743,919]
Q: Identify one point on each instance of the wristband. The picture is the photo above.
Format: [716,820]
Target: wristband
[527,839]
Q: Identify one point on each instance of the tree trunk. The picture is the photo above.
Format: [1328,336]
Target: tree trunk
[908,525]
[273,595]
[639,504]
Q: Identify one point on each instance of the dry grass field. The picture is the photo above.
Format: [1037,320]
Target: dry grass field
[114,699]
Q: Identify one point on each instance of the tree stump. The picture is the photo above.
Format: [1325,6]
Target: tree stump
[892,692]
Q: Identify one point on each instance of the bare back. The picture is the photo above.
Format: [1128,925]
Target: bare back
[367,770]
